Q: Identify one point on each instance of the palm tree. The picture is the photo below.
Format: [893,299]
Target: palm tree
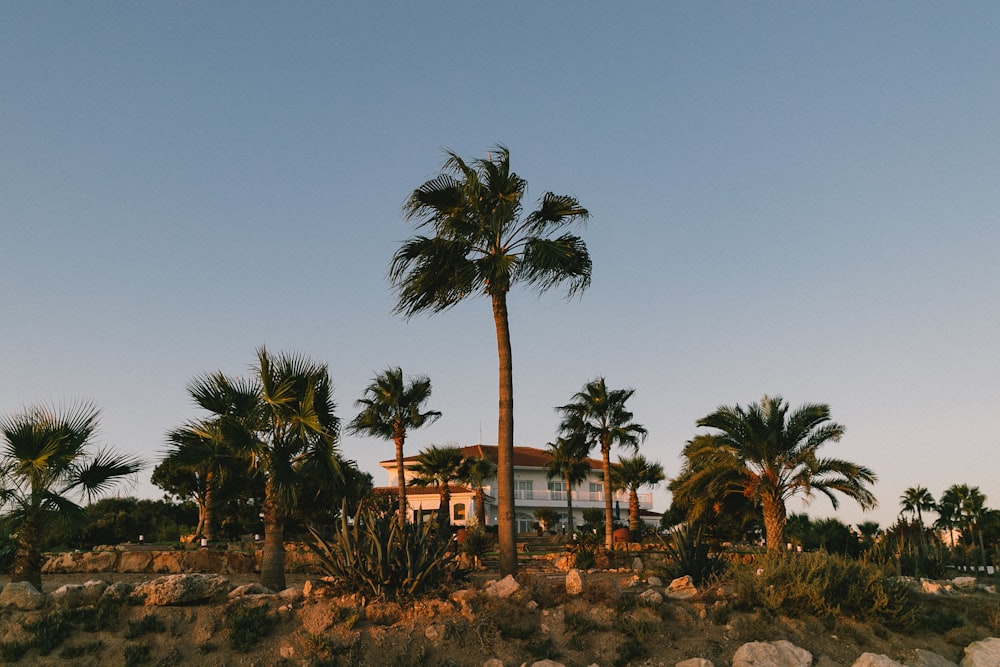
[599,413]
[439,466]
[568,461]
[769,455]
[477,470]
[48,461]
[294,445]
[631,474]
[481,244]
[965,507]
[391,408]
[916,500]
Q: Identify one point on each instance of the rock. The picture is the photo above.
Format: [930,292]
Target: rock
[922,658]
[434,633]
[176,589]
[68,595]
[682,588]
[964,583]
[100,561]
[651,597]
[984,653]
[875,660]
[988,588]
[781,653]
[503,588]
[118,591]
[637,564]
[92,591]
[695,662]
[493,662]
[135,561]
[574,582]
[654,581]
[250,589]
[547,663]
[166,563]
[931,587]
[21,595]
[827,661]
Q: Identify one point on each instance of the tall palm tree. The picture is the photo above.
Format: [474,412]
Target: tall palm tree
[481,244]
[631,474]
[917,500]
[477,470]
[568,460]
[294,445]
[965,507]
[439,466]
[769,455]
[600,414]
[389,409]
[48,462]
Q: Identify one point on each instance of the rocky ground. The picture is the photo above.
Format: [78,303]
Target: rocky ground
[609,619]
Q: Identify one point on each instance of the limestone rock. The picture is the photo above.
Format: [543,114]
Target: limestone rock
[682,588]
[654,581]
[250,589]
[503,588]
[177,589]
[875,660]
[651,597]
[964,583]
[827,661]
[574,582]
[547,663]
[695,662]
[781,653]
[637,564]
[135,561]
[922,658]
[984,653]
[493,662]
[68,595]
[118,591]
[21,595]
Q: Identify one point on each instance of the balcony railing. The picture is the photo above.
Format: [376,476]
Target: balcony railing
[645,499]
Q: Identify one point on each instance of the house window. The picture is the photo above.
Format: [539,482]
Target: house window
[596,491]
[522,489]
[557,491]
[524,522]
[458,512]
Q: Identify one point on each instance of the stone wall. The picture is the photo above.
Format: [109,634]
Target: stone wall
[125,559]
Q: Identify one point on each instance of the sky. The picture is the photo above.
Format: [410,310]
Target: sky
[794,199]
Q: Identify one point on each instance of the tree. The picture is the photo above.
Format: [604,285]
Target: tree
[294,444]
[476,470]
[568,460]
[964,506]
[439,467]
[869,530]
[916,500]
[391,408]
[599,413]
[631,474]
[49,460]
[769,455]
[481,244]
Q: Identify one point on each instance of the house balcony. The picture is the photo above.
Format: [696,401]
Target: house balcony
[581,499]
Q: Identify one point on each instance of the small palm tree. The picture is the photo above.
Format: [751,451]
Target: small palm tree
[769,455]
[631,474]
[568,461]
[439,467]
[48,462]
[476,471]
[600,414]
[391,408]
[917,500]
[481,245]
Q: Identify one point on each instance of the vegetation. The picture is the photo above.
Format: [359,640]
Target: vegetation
[768,455]
[48,462]
[390,409]
[247,624]
[481,244]
[598,414]
[631,474]
[439,467]
[569,462]
[477,470]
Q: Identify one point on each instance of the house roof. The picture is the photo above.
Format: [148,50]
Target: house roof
[526,457]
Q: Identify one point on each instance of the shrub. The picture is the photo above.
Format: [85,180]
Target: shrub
[144,626]
[689,554]
[247,624]
[477,543]
[12,651]
[49,631]
[376,556]
[80,650]
[136,654]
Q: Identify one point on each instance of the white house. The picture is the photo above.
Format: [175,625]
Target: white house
[532,490]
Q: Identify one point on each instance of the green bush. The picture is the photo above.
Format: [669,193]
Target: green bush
[137,654]
[247,624]
[144,626]
[689,555]
[375,556]
[825,586]
[49,631]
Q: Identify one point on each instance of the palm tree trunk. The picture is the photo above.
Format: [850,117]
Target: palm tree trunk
[480,506]
[401,479]
[633,516]
[27,565]
[569,505]
[609,528]
[272,567]
[444,511]
[774,524]
[506,517]
[208,527]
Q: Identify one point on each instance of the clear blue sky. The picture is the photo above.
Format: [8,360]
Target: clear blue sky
[786,198]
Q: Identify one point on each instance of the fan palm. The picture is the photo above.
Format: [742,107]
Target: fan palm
[631,474]
[917,500]
[769,455]
[389,409]
[439,467]
[49,461]
[294,445]
[600,415]
[481,244]
[568,461]
[477,470]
